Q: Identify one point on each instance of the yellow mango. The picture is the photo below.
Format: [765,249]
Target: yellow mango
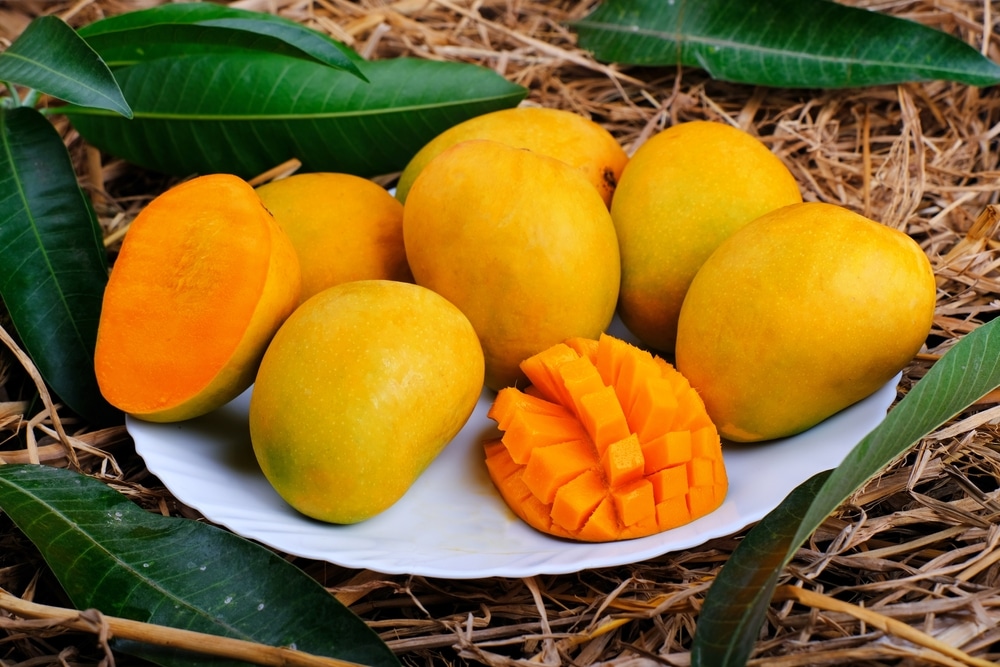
[683,192]
[520,242]
[799,314]
[359,391]
[564,135]
[343,228]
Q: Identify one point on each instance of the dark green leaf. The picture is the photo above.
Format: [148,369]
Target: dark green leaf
[245,115]
[781,43]
[729,623]
[113,556]
[184,29]
[53,267]
[51,58]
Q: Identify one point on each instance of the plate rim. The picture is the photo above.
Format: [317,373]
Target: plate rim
[633,551]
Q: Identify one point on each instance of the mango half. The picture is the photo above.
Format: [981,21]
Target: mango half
[203,280]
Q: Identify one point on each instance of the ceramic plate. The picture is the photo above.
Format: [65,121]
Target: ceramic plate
[452,523]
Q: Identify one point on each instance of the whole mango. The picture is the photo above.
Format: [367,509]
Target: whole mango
[520,242]
[344,227]
[683,192]
[360,389]
[564,135]
[799,314]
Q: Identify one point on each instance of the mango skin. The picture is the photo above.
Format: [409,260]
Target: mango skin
[558,133]
[360,389]
[683,192]
[520,242]
[801,313]
[344,227]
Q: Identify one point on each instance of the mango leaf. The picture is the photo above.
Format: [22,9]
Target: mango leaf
[780,43]
[734,608]
[53,267]
[210,113]
[172,30]
[51,58]
[113,556]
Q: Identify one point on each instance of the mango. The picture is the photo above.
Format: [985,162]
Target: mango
[360,389]
[558,133]
[799,314]
[683,192]
[607,443]
[203,280]
[343,227]
[522,243]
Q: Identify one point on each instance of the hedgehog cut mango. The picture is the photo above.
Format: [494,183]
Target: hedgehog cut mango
[608,442]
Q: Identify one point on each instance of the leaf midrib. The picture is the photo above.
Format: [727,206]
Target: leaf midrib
[231,118]
[73,526]
[39,244]
[681,39]
[75,83]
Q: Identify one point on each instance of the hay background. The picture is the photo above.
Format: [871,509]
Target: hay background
[919,545]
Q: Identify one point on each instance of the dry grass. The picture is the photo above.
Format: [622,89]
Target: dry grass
[904,574]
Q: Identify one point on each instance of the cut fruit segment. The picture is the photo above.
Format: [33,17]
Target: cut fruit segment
[634,501]
[510,400]
[622,461]
[575,502]
[602,417]
[607,443]
[551,467]
[529,430]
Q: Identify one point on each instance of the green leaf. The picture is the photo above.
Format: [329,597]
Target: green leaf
[113,556]
[51,58]
[204,114]
[53,267]
[748,581]
[780,43]
[173,30]
[735,605]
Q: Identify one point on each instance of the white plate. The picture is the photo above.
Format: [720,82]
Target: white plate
[452,523]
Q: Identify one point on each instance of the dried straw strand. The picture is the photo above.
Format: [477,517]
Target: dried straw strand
[106,627]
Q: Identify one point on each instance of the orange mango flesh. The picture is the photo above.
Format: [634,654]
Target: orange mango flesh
[607,443]
[203,280]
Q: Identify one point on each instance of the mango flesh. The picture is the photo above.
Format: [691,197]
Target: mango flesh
[520,242]
[683,192]
[343,227]
[359,391]
[801,313]
[561,134]
[203,280]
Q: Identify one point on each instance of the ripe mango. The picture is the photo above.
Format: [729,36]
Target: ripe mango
[203,280]
[360,389]
[564,135]
[799,314]
[344,227]
[683,192]
[522,243]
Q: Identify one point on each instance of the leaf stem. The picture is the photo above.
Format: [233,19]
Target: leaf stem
[225,647]
[13,100]
[31,98]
